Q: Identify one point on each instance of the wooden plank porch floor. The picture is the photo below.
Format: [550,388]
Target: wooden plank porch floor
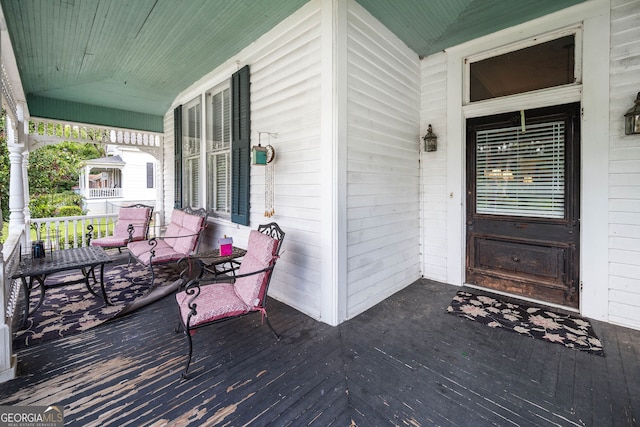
[403,362]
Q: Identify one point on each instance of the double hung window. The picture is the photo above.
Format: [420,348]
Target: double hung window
[212,170]
[218,151]
[191,141]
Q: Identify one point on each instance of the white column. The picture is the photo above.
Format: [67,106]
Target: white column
[16,182]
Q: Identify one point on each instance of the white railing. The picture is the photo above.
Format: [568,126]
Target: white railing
[71,231]
[9,259]
[103,193]
[68,231]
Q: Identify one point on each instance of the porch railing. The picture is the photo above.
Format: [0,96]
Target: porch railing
[71,231]
[103,193]
[9,259]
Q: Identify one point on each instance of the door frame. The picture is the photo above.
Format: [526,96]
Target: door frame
[593,95]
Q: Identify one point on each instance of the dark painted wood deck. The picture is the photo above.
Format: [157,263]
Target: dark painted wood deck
[403,362]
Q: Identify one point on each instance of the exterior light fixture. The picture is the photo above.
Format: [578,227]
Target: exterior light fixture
[632,119]
[431,141]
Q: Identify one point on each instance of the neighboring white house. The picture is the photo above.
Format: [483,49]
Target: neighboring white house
[126,176]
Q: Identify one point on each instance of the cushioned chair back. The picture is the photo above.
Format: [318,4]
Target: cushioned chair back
[138,216]
[261,253]
[184,224]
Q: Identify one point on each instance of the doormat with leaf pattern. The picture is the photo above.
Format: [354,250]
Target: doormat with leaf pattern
[536,322]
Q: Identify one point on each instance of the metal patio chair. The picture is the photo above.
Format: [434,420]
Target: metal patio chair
[208,298]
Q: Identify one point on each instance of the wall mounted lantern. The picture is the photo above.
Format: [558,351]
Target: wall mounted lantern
[430,140]
[632,118]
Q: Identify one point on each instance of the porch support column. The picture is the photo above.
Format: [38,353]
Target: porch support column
[333,306]
[16,180]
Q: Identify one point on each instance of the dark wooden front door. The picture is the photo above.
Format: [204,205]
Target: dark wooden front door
[523,219]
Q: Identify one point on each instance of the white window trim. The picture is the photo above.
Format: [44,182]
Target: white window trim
[534,99]
[576,31]
[214,90]
[185,109]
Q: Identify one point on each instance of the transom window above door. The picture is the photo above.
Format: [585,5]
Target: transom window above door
[533,65]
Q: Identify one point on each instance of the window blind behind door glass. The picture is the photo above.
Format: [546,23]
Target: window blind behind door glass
[521,173]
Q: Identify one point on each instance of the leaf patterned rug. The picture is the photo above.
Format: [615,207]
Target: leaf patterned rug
[71,309]
[536,322]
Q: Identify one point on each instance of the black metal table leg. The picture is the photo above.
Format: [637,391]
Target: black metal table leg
[27,294]
[87,273]
[104,292]
[27,287]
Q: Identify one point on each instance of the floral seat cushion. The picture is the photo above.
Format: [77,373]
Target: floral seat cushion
[215,302]
[222,300]
[181,239]
[137,216]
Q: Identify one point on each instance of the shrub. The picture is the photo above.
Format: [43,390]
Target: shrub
[68,211]
[52,205]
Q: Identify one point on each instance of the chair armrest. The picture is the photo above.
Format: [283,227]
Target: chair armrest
[174,237]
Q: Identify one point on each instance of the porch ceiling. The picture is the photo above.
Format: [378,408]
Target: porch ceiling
[111,62]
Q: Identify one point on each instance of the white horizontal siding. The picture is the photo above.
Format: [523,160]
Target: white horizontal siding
[285,99]
[624,167]
[382,163]
[434,167]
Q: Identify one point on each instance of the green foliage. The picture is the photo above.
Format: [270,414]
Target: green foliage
[69,211]
[56,168]
[53,171]
[53,205]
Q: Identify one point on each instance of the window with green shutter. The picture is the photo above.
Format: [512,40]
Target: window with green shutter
[224,187]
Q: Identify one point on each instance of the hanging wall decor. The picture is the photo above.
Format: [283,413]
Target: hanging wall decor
[265,156]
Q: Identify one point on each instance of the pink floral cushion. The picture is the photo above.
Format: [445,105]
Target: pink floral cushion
[187,225]
[138,217]
[110,241]
[163,252]
[214,302]
[260,253]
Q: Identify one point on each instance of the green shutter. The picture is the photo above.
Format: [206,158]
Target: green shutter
[240,146]
[177,151]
